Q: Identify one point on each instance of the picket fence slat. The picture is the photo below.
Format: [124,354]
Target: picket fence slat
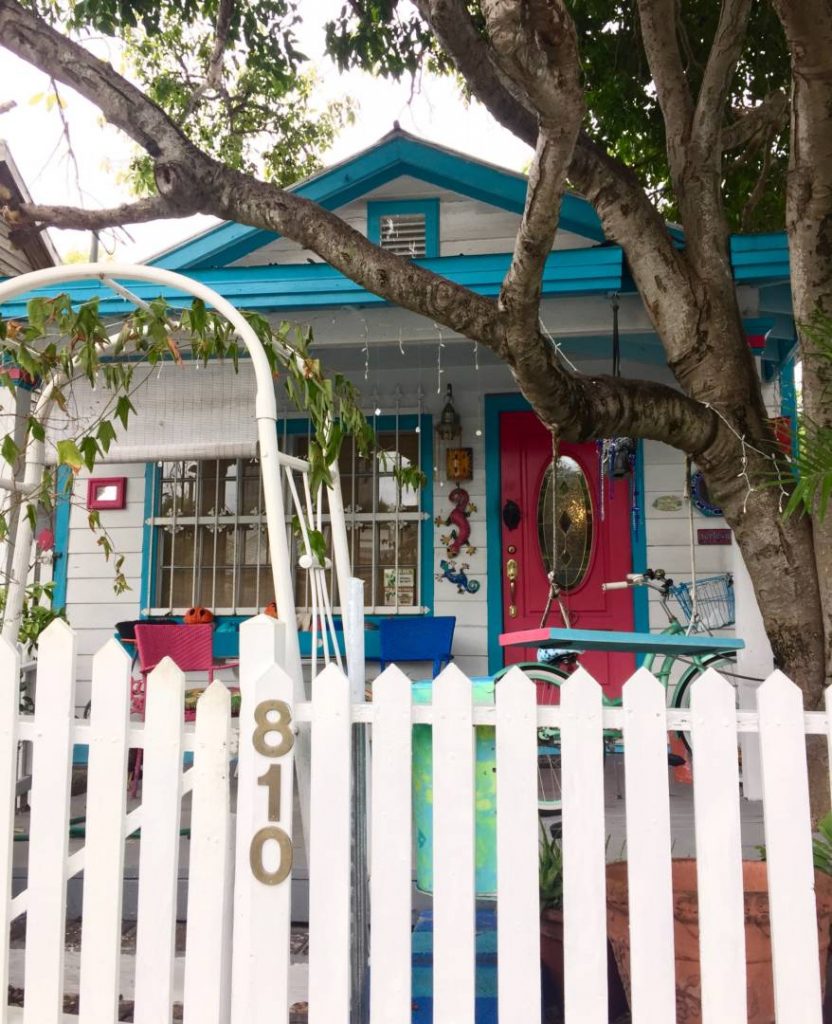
[262,911]
[453,849]
[716,796]
[159,851]
[652,969]
[584,851]
[791,876]
[49,826]
[9,699]
[206,988]
[518,931]
[390,850]
[106,806]
[329,851]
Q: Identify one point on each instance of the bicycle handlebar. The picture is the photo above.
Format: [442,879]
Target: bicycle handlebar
[618,585]
[650,577]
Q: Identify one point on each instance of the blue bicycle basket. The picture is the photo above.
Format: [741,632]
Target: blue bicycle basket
[714,601]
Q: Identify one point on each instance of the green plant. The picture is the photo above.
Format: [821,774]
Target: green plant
[551,871]
[36,615]
[822,845]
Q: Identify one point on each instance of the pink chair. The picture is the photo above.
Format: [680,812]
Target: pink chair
[190,647]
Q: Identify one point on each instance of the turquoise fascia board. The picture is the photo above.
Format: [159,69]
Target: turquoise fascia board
[316,285]
[63,507]
[391,158]
[760,258]
[384,208]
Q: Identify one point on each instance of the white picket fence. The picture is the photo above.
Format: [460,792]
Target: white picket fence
[238,931]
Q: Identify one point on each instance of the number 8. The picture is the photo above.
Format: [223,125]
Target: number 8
[282,727]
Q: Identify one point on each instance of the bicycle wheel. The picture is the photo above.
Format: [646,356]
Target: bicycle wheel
[548,680]
[725,664]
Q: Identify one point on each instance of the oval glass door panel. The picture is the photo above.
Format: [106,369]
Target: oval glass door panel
[568,528]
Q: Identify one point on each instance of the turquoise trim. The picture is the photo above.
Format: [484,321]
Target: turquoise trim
[63,507]
[152,480]
[293,426]
[426,577]
[788,399]
[389,208]
[760,258]
[315,285]
[638,542]
[392,157]
[494,405]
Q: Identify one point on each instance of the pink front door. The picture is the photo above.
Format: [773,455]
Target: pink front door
[591,540]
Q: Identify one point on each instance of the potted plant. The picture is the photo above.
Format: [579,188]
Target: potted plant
[686,930]
[551,927]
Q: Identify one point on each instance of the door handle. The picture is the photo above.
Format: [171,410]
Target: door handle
[511,576]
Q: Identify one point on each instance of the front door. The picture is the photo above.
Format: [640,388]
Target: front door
[564,512]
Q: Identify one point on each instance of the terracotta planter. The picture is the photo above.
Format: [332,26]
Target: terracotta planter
[686,936]
[551,954]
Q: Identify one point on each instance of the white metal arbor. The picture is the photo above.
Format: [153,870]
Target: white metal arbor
[273,462]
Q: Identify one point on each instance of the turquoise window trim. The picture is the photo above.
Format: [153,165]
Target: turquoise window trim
[294,426]
[376,209]
[152,480]
[63,507]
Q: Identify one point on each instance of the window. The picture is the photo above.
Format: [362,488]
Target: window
[207,539]
[407,227]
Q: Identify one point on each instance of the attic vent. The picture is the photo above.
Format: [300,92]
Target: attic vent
[403,234]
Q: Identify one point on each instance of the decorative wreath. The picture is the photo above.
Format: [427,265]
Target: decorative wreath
[699,496]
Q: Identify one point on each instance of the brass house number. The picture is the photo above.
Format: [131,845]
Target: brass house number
[272,737]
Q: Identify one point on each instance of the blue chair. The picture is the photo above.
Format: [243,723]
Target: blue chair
[417,639]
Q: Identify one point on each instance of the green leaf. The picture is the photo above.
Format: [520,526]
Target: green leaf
[123,409]
[89,450]
[9,450]
[106,435]
[69,455]
[36,429]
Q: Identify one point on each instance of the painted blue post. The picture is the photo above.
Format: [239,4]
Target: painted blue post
[63,506]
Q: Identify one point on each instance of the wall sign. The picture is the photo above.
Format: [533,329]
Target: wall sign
[713,536]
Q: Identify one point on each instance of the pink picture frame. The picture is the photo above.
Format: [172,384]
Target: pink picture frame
[107,492]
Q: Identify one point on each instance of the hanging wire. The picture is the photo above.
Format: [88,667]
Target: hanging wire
[439,370]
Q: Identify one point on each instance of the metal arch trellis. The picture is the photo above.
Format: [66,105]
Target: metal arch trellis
[272,459]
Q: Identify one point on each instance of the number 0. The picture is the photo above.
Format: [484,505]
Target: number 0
[255,855]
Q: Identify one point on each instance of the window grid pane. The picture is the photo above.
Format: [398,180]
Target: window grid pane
[210,533]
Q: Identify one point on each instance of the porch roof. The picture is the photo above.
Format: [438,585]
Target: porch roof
[598,270]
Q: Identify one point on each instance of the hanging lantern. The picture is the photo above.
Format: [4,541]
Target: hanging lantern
[450,425]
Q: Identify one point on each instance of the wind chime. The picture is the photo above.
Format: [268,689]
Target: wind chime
[617,456]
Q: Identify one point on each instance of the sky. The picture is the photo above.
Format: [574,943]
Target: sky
[34,133]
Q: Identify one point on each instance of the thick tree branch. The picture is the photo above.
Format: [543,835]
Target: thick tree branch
[536,47]
[128,108]
[213,74]
[31,217]
[659,21]
[757,123]
[722,59]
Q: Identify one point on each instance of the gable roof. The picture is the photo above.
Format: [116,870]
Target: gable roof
[37,248]
[396,154]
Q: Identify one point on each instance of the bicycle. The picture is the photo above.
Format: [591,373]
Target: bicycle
[705,608]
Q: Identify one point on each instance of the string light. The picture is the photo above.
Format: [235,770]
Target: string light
[366,350]
[439,370]
[477,356]
[556,345]
[401,342]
